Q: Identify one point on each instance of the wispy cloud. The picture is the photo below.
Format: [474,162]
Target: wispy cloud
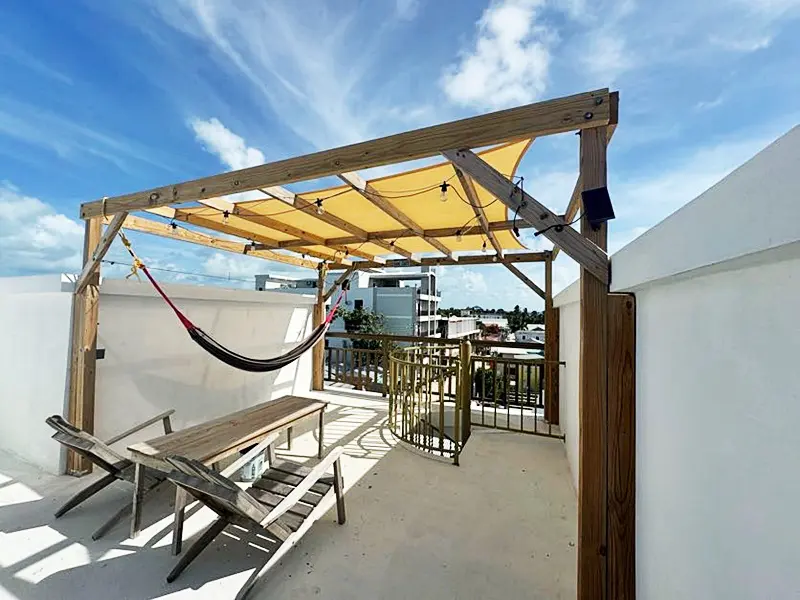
[509,61]
[27,60]
[73,141]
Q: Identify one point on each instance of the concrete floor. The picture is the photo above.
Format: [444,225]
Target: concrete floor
[502,525]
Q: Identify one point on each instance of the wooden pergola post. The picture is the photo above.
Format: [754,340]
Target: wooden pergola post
[83,348]
[551,341]
[593,411]
[318,352]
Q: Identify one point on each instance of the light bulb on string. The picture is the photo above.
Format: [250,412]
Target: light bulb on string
[484,246]
[443,191]
[320,210]
[225,215]
[459,237]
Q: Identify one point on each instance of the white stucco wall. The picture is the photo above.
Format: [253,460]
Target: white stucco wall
[150,362]
[152,365]
[569,345]
[35,317]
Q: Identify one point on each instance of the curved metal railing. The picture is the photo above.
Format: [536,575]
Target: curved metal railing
[425,407]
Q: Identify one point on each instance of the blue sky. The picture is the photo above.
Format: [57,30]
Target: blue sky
[102,98]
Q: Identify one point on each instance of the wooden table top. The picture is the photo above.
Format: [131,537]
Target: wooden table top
[216,439]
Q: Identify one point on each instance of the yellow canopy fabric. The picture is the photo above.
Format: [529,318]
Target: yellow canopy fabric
[415,193]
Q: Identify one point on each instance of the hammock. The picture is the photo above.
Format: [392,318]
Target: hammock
[229,357]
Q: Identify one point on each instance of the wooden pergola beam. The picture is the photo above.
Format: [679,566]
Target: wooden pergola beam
[394,234]
[236,210]
[318,351]
[337,283]
[91,266]
[575,199]
[230,228]
[477,208]
[589,109]
[441,261]
[553,227]
[359,235]
[142,225]
[593,392]
[363,187]
[526,280]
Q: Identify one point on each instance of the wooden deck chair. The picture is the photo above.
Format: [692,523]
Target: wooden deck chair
[100,454]
[285,502]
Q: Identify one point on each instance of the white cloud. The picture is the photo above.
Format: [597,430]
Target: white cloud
[229,147]
[407,9]
[746,44]
[606,57]
[509,61]
[34,237]
[709,104]
[236,267]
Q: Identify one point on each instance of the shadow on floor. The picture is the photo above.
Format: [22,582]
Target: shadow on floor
[43,557]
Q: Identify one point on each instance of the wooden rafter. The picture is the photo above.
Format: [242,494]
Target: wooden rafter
[363,187]
[553,227]
[394,234]
[90,268]
[589,109]
[477,207]
[195,237]
[359,235]
[526,280]
[236,210]
[337,283]
[434,261]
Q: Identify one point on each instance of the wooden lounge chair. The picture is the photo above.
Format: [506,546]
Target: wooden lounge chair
[100,454]
[285,502]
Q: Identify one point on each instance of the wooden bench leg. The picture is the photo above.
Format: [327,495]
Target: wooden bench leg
[181,498]
[321,449]
[289,434]
[138,496]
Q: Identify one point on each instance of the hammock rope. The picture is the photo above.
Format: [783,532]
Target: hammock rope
[213,347]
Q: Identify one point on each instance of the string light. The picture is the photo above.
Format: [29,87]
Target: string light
[225,215]
[320,210]
[459,237]
[484,246]
[443,191]
[494,258]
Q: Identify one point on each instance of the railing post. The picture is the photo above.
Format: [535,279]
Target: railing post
[318,352]
[465,399]
[385,358]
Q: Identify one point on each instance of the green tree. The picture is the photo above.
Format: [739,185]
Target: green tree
[361,320]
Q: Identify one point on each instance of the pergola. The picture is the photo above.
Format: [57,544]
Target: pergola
[469,201]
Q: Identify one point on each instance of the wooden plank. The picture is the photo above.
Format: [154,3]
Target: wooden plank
[371,194]
[475,259]
[553,227]
[477,208]
[337,283]
[593,411]
[575,199]
[91,266]
[621,447]
[395,234]
[195,237]
[318,351]
[211,440]
[551,341]
[589,109]
[83,347]
[429,340]
[331,219]
[525,279]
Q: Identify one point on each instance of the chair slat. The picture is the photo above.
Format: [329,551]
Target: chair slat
[283,489]
[269,499]
[320,487]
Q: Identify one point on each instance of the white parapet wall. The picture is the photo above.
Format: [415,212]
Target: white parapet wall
[717,288]
[150,364]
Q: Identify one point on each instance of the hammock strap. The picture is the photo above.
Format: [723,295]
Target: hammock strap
[138,264]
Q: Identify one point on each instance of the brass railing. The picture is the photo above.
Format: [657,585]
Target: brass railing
[422,412]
